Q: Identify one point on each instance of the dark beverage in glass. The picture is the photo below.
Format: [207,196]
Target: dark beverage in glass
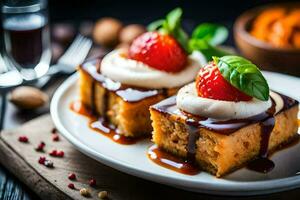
[27,39]
[23,40]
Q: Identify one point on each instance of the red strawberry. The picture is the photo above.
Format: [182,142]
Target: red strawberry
[159,51]
[211,84]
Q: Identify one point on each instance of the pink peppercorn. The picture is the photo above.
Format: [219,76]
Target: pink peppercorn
[23,139]
[42,160]
[55,137]
[72,176]
[56,153]
[54,131]
[71,186]
[40,147]
[53,153]
[60,154]
[92,182]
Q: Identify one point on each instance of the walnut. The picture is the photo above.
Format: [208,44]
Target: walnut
[26,97]
[106,31]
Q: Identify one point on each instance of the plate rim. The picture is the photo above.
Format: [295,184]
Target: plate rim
[229,188]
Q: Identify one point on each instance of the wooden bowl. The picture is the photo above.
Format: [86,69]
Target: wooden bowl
[263,54]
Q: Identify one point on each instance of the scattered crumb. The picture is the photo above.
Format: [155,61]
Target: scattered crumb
[49,164]
[103,194]
[85,192]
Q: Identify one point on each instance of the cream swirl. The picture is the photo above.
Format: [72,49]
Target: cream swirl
[188,101]
[119,68]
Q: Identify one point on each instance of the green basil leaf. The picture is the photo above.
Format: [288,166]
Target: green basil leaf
[153,26]
[173,19]
[213,33]
[205,48]
[243,75]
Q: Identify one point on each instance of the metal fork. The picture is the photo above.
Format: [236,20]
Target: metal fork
[74,55]
[67,64]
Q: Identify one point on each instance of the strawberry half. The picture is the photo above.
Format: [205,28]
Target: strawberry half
[159,51]
[211,84]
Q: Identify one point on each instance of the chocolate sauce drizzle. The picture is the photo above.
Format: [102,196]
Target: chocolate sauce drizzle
[195,123]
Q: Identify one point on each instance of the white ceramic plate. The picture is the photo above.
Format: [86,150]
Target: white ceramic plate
[132,159]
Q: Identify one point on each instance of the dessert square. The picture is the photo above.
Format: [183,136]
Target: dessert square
[219,147]
[124,106]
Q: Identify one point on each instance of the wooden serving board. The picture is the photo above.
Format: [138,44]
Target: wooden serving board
[22,160]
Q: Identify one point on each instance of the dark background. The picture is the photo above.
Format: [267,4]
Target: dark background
[130,11]
[143,12]
[146,11]
[133,11]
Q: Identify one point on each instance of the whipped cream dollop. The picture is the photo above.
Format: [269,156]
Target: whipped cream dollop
[118,67]
[188,100]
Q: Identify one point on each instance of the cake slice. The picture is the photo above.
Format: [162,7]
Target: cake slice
[225,119]
[220,151]
[124,106]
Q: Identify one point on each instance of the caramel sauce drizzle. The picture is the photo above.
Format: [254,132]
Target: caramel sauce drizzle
[169,161]
[100,125]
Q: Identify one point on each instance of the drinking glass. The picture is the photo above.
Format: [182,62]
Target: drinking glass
[26,37]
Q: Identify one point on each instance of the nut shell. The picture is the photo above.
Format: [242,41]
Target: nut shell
[130,32]
[106,31]
[103,195]
[26,97]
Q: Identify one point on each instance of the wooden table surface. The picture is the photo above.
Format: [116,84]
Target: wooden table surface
[12,189]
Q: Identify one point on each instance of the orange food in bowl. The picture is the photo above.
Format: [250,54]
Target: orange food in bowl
[278,26]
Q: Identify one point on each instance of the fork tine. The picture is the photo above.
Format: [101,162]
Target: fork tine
[82,53]
[71,49]
[79,50]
